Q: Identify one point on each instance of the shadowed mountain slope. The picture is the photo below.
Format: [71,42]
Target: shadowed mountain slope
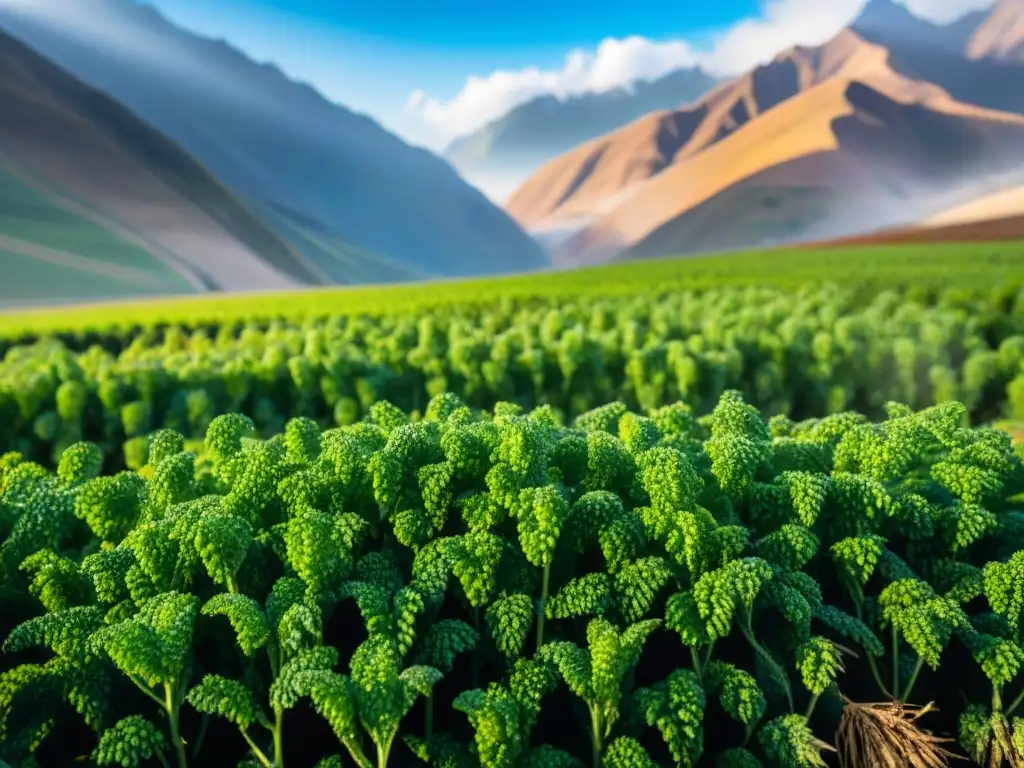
[280,144]
[110,204]
[978,59]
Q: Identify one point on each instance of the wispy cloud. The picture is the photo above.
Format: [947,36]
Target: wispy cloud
[619,62]
[615,63]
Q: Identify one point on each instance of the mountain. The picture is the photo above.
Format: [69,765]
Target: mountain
[585,181]
[96,203]
[1000,35]
[532,133]
[978,59]
[888,22]
[355,200]
[995,33]
[994,205]
[821,142]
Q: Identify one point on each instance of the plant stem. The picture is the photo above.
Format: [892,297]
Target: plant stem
[264,760]
[1014,704]
[707,654]
[912,680]
[273,656]
[595,737]
[384,750]
[542,606]
[147,690]
[171,705]
[278,738]
[162,758]
[202,735]
[748,731]
[358,756]
[475,680]
[810,706]
[232,586]
[858,599]
[697,666]
[876,673]
[760,650]
[895,661]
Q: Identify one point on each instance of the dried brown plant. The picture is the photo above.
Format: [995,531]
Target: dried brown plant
[886,735]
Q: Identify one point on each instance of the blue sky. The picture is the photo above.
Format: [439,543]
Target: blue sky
[372,54]
[467,61]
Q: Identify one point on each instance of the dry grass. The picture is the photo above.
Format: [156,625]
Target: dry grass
[886,735]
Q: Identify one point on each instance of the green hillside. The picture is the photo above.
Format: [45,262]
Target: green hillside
[54,254]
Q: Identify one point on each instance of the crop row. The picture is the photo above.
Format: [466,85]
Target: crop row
[502,591]
[919,269]
[803,354]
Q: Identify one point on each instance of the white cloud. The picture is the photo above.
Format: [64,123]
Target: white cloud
[615,63]
[620,62]
[782,24]
[945,11]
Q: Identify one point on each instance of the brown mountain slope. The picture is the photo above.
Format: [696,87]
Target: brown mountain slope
[1001,34]
[840,158]
[598,175]
[1001,204]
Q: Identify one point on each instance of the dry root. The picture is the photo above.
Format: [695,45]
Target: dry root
[887,736]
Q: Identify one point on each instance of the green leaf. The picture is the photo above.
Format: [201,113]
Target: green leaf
[626,752]
[230,699]
[247,619]
[509,620]
[129,743]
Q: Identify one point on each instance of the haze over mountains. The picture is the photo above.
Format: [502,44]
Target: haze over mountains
[888,123]
[342,196]
[532,133]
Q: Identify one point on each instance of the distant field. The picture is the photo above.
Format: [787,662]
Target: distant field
[978,265]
